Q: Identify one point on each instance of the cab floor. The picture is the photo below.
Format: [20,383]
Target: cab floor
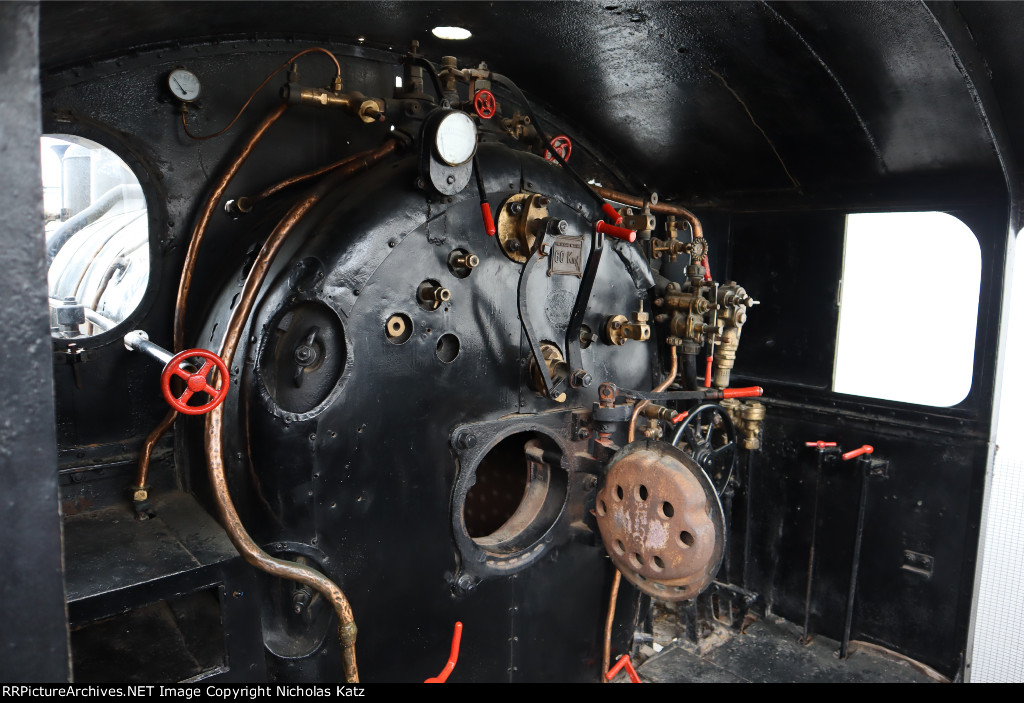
[768,652]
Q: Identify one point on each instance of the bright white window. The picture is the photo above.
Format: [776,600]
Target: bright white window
[97,236]
[908,308]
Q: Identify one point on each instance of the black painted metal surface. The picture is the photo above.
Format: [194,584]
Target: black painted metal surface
[31,591]
[777,118]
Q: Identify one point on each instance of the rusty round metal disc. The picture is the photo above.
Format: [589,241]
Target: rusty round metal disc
[661,520]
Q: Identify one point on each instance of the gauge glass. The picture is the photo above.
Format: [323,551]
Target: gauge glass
[456,138]
[183,84]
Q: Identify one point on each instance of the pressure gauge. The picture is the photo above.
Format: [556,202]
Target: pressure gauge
[184,85]
[456,138]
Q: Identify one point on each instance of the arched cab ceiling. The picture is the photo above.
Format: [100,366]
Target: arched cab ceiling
[741,103]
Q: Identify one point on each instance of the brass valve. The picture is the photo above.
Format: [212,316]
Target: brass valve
[618,329]
[748,418]
[670,247]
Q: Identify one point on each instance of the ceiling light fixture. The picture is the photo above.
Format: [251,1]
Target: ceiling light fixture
[454,33]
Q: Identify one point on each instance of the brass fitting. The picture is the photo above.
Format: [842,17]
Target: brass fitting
[555,366]
[748,418]
[430,295]
[368,110]
[670,247]
[732,314]
[469,261]
[618,329]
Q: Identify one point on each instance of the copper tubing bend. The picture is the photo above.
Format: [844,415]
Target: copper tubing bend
[663,208]
[245,204]
[198,233]
[249,550]
[617,579]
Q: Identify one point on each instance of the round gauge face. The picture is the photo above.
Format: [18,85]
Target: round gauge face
[183,84]
[456,138]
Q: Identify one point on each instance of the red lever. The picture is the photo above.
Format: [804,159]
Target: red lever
[562,145]
[819,444]
[612,214]
[196,382]
[485,210]
[623,661]
[707,375]
[679,418]
[751,392]
[484,104]
[626,235]
[866,449]
[707,269]
[452,657]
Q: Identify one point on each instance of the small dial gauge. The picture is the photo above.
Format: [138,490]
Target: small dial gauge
[183,84]
[456,138]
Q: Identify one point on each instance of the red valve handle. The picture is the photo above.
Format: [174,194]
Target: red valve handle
[195,382]
[484,104]
[866,449]
[707,269]
[707,374]
[452,657]
[562,145]
[485,210]
[612,214]
[751,392]
[619,663]
[626,235]
[820,444]
[679,418]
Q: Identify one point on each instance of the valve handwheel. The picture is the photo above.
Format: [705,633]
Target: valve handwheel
[562,145]
[484,104]
[197,382]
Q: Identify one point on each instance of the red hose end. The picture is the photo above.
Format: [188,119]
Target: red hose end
[751,392]
[485,210]
[612,214]
[453,657]
[707,375]
[866,449]
[626,235]
[819,444]
[679,418]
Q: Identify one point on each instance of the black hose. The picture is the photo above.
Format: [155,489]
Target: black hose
[436,79]
[518,94]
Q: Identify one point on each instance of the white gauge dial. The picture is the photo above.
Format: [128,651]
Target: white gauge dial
[456,138]
[183,84]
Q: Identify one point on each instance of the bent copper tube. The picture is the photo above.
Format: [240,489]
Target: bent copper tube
[607,652]
[663,208]
[249,550]
[189,266]
[278,187]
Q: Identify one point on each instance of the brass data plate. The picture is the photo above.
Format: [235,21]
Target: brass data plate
[567,257]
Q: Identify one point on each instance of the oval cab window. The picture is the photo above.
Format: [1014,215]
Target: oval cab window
[97,237]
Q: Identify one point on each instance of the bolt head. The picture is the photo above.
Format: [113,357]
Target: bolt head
[515,207]
[466,440]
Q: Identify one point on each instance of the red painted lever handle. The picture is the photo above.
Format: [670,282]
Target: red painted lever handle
[195,382]
[612,214]
[622,233]
[751,392]
[819,444]
[485,210]
[866,449]
[707,375]
[452,657]
[619,663]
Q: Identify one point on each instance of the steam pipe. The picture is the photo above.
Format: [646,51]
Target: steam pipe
[140,488]
[249,550]
[617,579]
[663,208]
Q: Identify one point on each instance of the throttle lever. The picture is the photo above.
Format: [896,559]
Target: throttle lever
[196,382]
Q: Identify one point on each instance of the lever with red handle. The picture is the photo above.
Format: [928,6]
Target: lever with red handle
[621,662]
[453,657]
[195,381]
[819,444]
[626,235]
[866,449]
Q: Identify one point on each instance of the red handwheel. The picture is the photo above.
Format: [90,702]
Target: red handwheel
[484,104]
[562,145]
[196,382]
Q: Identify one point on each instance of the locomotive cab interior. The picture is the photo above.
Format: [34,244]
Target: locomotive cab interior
[654,341]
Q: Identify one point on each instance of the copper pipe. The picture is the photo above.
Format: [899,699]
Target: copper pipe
[337,82]
[672,371]
[249,550]
[663,208]
[607,652]
[245,204]
[189,266]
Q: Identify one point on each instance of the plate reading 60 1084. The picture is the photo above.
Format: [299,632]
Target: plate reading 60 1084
[567,257]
